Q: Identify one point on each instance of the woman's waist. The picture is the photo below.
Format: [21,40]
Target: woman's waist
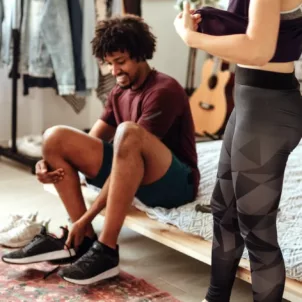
[287,67]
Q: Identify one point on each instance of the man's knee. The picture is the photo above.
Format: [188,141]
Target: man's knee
[128,135]
[53,138]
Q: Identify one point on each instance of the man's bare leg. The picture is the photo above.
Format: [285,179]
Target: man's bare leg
[139,158]
[74,151]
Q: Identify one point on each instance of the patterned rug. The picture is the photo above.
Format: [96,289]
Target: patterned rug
[26,283]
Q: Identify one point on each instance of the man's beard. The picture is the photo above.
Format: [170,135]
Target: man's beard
[131,83]
[128,86]
[125,86]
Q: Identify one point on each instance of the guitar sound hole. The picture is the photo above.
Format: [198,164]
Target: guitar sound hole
[213,82]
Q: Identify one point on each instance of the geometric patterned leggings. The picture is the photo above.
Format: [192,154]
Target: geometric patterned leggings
[263,129]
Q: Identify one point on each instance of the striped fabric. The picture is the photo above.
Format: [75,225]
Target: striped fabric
[106,83]
[76,102]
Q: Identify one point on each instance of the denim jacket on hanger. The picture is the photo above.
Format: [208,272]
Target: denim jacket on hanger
[6,31]
[46,44]
[50,44]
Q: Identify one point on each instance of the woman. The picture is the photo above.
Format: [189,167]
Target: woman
[263,37]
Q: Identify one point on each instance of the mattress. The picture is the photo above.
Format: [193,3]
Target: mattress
[289,221]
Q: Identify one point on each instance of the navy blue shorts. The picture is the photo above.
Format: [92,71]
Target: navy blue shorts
[174,189]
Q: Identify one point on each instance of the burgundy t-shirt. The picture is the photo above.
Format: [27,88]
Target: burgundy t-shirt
[161,106]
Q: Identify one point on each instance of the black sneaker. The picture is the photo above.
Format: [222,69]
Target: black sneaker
[99,263]
[43,247]
[83,248]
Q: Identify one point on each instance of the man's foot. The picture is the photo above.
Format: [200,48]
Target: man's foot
[99,263]
[44,247]
[83,248]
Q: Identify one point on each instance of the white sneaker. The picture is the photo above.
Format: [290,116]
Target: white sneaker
[30,145]
[22,234]
[14,219]
[9,223]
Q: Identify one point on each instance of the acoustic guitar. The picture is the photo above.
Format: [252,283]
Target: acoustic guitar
[212,102]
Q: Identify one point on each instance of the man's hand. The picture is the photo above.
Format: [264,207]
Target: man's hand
[76,235]
[46,177]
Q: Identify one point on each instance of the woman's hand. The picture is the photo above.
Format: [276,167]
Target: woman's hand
[186,22]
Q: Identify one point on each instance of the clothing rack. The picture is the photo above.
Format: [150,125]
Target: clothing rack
[12,152]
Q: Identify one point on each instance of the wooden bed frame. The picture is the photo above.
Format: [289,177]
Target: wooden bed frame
[189,244]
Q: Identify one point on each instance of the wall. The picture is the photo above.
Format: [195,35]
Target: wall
[172,54]
[38,111]
[42,108]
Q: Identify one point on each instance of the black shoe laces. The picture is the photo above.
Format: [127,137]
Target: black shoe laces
[47,274]
[42,235]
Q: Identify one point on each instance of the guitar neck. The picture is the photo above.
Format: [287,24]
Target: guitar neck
[219,62]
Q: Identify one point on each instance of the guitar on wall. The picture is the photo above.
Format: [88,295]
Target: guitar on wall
[212,102]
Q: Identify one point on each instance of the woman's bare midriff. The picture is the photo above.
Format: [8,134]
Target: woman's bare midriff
[275,67]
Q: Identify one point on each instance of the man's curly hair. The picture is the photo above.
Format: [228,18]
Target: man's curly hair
[126,34]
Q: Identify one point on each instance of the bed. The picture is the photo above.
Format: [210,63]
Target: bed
[190,231]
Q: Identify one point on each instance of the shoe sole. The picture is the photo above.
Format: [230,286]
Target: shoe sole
[40,258]
[106,275]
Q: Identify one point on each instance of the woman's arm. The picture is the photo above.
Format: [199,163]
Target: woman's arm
[256,47]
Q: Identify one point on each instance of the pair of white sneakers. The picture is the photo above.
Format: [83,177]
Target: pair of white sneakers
[30,145]
[17,231]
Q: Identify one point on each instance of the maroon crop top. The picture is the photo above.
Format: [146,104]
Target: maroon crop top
[235,21]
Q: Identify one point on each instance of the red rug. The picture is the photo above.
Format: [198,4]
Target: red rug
[26,283]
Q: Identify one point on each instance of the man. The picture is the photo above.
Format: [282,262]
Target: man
[143,145]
